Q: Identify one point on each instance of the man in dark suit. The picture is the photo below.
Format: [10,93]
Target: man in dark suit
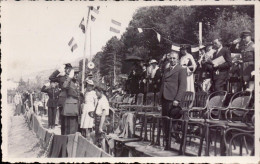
[220,71]
[173,87]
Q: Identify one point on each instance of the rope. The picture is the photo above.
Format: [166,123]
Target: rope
[48,147]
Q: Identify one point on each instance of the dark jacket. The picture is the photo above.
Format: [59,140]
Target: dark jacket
[174,83]
[222,68]
[71,88]
[53,94]
[59,79]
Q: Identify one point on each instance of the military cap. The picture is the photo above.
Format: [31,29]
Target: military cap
[68,65]
[245,33]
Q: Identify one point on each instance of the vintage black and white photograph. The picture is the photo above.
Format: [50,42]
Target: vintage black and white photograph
[110,80]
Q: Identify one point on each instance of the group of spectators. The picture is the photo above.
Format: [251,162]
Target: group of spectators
[216,68]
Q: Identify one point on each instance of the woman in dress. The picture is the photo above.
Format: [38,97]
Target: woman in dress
[187,61]
[87,122]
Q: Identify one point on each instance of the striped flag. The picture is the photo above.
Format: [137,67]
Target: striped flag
[72,44]
[116,25]
[82,26]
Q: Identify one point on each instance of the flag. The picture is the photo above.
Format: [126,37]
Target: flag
[140,30]
[82,26]
[75,46]
[115,29]
[92,18]
[159,37]
[176,47]
[94,13]
[71,40]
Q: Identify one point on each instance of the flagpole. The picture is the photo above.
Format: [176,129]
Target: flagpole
[84,55]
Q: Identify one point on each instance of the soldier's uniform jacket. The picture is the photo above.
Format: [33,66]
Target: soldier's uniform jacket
[53,94]
[59,79]
[71,105]
[247,51]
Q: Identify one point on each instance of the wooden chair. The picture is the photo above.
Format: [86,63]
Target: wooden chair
[139,103]
[146,134]
[240,101]
[119,142]
[158,148]
[239,137]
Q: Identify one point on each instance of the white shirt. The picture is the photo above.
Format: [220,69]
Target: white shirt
[102,105]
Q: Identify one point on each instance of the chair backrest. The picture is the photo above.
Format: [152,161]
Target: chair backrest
[200,99]
[187,100]
[242,138]
[216,99]
[140,99]
[240,99]
[149,99]
[157,100]
[126,98]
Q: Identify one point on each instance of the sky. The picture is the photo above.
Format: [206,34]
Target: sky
[36,34]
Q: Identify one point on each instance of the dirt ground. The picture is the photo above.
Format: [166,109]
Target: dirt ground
[22,143]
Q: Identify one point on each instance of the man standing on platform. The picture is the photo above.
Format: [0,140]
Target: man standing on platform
[220,69]
[59,76]
[173,87]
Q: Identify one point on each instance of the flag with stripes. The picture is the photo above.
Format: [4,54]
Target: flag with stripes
[82,26]
[72,44]
[115,26]
[94,11]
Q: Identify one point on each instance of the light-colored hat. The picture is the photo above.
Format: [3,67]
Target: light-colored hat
[90,82]
[152,61]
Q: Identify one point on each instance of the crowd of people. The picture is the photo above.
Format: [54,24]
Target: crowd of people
[216,67]
[172,76]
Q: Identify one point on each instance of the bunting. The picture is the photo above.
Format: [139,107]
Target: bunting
[82,26]
[94,11]
[72,44]
[116,28]
[158,37]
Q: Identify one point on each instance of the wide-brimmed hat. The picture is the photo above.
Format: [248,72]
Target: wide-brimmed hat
[90,82]
[153,61]
[245,33]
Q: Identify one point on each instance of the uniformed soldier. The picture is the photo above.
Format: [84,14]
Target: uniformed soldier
[59,76]
[247,49]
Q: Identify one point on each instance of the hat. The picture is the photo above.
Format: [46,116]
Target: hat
[245,33]
[152,61]
[68,65]
[76,69]
[90,82]
[175,112]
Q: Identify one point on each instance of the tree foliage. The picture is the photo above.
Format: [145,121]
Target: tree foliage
[176,24]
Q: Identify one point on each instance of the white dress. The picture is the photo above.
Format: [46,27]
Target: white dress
[88,106]
[190,79]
